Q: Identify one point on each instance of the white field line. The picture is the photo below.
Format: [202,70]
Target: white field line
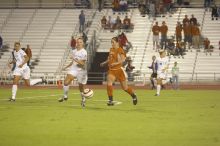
[52,95]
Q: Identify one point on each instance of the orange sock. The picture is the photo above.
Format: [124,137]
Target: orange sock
[110,90]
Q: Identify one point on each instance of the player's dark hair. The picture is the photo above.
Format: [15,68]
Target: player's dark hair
[115,39]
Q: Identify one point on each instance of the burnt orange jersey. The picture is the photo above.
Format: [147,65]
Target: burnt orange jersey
[113,57]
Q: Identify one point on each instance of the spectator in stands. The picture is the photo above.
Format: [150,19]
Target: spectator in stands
[207,3]
[126,23]
[187,34]
[115,5]
[100,5]
[179,32]
[1,42]
[195,36]
[175,76]
[167,5]
[82,20]
[118,23]
[155,30]
[29,54]
[179,2]
[73,43]
[163,30]
[180,49]
[129,69]
[206,44]
[104,22]
[152,10]
[186,19]
[170,47]
[123,5]
[111,23]
[85,38]
[214,12]
[153,76]
[193,19]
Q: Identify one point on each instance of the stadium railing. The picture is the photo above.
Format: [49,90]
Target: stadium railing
[140,79]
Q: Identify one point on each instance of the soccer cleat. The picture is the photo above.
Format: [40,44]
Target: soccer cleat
[135,100]
[63,99]
[10,99]
[157,95]
[110,103]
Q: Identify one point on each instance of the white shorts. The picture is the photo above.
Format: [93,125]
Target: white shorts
[24,72]
[161,75]
[156,38]
[80,75]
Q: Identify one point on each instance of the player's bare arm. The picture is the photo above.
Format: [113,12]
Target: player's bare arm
[81,63]
[26,58]
[68,65]
[104,63]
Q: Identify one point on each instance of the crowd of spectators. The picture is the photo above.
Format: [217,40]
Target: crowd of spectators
[117,23]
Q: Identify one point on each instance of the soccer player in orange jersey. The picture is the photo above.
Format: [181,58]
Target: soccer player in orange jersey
[115,60]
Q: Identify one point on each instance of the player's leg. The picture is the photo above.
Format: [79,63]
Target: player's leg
[69,78]
[14,87]
[82,80]
[110,80]
[122,78]
[129,90]
[159,83]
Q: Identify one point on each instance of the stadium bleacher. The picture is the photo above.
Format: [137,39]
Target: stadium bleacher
[48,30]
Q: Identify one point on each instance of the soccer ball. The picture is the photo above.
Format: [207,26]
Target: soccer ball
[88,93]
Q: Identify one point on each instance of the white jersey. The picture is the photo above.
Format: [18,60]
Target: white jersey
[19,58]
[161,63]
[78,55]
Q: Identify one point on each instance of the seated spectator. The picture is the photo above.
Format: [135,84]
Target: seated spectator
[214,12]
[104,22]
[194,20]
[115,5]
[180,49]
[126,22]
[170,47]
[111,23]
[1,42]
[142,8]
[123,5]
[118,23]
[206,44]
[73,43]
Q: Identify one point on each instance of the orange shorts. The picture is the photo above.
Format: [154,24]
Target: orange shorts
[119,74]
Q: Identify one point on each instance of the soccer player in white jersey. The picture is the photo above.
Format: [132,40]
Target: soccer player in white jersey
[77,70]
[162,64]
[21,69]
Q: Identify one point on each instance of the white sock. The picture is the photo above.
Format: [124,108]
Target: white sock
[65,91]
[83,98]
[14,91]
[158,89]
[35,81]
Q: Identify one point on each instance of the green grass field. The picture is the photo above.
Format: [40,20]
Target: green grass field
[176,118]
